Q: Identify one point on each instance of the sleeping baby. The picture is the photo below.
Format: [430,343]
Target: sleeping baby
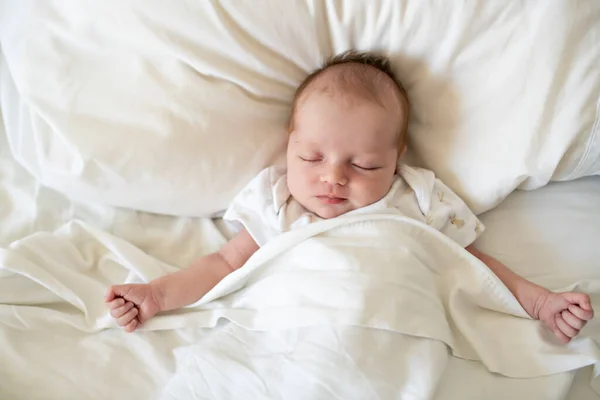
[348,128]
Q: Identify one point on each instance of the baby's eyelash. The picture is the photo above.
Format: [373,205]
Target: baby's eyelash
[366,168]
[318,159]
[309,159]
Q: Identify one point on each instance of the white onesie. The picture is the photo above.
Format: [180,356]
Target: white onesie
[266,208]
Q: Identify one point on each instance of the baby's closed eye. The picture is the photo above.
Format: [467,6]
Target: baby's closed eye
[366,167]
[311,158]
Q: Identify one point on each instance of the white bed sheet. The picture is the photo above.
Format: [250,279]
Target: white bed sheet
[523,232]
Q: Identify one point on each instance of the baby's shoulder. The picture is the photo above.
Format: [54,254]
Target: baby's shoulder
[409,171]
[425,188]
[269,175]
[266,180]
[419,180]
[270,185]
[258,205]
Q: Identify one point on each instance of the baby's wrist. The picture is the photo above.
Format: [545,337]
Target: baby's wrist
[158,294]
[536,302]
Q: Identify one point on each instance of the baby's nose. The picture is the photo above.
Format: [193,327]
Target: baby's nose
[334,175]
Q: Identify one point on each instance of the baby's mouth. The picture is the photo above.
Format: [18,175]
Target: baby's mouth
[329,199]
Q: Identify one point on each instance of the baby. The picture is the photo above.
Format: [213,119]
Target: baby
[348,128]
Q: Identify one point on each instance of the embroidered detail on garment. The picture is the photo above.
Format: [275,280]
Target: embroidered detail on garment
[440,196]
[459,223]
[429,219]
[478,227]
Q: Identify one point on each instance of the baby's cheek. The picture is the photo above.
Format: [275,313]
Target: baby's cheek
[313,179]
[308,179]
[378,190]
[298,184]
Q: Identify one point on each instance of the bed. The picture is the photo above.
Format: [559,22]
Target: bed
[127,129]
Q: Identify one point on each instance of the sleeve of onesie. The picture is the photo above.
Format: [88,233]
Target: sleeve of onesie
[443,209]
[253,208]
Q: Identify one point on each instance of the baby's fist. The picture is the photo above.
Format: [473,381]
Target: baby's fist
[565,314]
[131,305]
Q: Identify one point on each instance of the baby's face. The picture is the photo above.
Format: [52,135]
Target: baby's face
[342,155]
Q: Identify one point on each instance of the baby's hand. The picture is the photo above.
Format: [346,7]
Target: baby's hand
[131,305]
[565,314]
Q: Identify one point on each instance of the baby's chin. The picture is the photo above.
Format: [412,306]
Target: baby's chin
[331,211]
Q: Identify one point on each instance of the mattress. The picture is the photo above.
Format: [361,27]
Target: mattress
[547,235]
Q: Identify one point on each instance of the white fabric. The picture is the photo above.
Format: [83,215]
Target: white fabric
[70,363]
[549,236]
[172,107]
[266,209]
[322,295]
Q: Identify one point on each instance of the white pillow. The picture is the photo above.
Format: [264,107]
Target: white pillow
[172,107]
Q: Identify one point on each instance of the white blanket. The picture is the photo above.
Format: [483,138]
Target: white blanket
[356,307]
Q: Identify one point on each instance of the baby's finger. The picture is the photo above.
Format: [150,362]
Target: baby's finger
[572,320]
[565,328]
[109,295]
[127,317]
[564,339]
[580,313]
[116,303]
[579,298]
[130,327]
[119,312]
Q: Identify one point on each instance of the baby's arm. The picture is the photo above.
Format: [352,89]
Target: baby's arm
[563,313]
[191,284]
[132,305]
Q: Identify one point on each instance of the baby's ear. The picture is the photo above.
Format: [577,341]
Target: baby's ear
[402,150]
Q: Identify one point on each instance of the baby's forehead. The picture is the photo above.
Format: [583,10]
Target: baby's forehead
[354,81]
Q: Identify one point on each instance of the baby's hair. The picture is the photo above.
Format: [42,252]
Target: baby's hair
[360,82]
